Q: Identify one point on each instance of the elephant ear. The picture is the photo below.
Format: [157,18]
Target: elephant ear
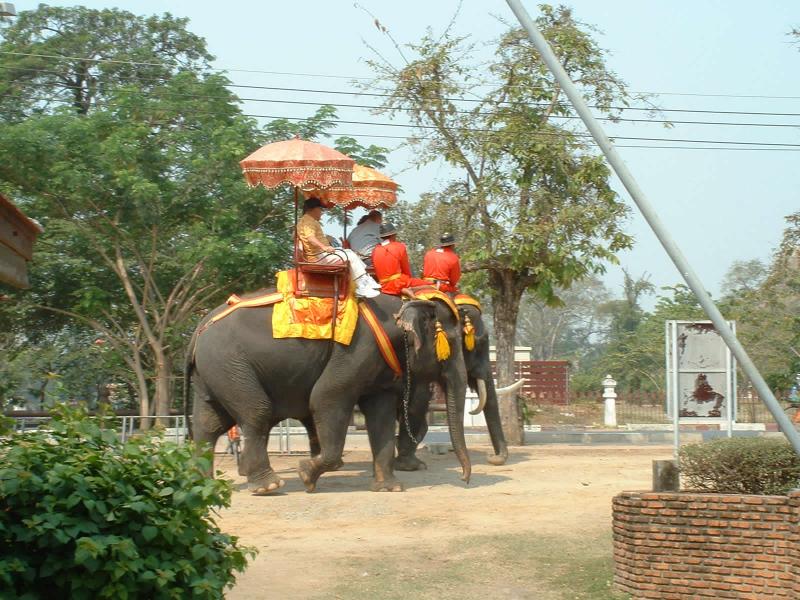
[415,318]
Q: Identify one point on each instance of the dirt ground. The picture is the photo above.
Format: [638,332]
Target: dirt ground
[538,527]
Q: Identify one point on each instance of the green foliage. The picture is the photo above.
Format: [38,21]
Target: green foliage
[75,56]
[532,207]
[635,357]
[84,515]
[741,466]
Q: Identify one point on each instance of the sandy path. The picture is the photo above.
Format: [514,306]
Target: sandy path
[311,543]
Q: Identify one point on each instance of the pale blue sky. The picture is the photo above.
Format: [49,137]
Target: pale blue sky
[720,205]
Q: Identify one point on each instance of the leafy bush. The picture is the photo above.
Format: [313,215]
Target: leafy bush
[84,515]
[741,466]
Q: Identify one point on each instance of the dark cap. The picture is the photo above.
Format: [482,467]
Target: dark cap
[387,230]
[312,203]
[447,239]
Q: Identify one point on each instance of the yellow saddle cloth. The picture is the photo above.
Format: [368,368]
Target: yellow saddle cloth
[311,318]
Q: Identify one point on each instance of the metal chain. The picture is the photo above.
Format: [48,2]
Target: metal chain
[407,391]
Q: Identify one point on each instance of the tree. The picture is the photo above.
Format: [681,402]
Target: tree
[78,57]
[147,218]
[534,207]
[569,331]
[743,278]
[636,357]
[135,177]
[766,309]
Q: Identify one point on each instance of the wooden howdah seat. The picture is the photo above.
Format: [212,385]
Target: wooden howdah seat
[319,280]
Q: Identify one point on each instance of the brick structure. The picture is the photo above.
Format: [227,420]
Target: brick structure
[676,546]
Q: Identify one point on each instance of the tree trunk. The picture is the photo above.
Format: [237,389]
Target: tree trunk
[506,296]
[144,392]
[163,394]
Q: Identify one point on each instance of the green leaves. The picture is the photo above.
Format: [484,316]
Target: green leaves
[740,466]
[85,515]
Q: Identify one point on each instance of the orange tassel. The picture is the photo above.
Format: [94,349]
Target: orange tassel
[469,334]
[442,345]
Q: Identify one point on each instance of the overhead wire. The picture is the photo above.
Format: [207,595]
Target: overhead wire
[776,145]
[358,78]
[455,99]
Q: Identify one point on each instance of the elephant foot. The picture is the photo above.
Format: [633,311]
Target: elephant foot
[311,469]
[497,459]
[387,485]
[266,485]
[409,463]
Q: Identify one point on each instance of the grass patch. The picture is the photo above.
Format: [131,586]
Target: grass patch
[519,566]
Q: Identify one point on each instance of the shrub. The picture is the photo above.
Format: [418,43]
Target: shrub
[741,466]
[84,515]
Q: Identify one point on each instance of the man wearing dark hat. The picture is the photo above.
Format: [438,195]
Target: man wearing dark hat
[390,259]
[441,265]
[316,248]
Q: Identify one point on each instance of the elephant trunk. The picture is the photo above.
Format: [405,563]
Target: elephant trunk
[492,416]
[456,391]
[481,398]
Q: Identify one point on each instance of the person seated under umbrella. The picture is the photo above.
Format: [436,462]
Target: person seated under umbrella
[365,236]
[390,259]
[317,249]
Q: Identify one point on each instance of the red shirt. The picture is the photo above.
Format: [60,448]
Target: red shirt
[392,269]
[443,265]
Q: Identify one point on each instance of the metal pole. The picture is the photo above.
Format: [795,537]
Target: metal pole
[655,223]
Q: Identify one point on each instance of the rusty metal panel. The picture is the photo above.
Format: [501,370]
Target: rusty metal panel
[13,268]
[700,371]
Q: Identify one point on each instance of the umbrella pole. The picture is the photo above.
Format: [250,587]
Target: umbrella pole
[344,238]
[295,246]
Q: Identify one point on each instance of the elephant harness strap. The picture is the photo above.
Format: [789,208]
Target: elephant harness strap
[461,299]
[382,339]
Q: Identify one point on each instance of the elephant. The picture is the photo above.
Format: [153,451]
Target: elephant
[241,374]
[479,374]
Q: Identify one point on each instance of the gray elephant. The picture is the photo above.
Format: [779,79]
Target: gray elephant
[479,373]
[241,374]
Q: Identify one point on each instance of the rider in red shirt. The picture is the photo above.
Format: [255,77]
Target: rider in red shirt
[441,265]
[390,259]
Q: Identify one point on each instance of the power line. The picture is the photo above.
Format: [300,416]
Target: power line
[450,99]
[541,134]
[355,78]
[484,114]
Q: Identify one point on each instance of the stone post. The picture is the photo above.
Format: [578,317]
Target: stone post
[610,402]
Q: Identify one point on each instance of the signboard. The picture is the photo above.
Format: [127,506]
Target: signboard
[701,376]
[701,382]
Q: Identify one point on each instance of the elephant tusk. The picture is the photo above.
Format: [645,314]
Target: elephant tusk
[510,389]
[481,398]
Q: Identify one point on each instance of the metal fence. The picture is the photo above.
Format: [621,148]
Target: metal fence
[174,428]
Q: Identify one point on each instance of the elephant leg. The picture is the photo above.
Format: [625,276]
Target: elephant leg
[491,413]
[311,431]
[255,420]
[379,413]
[261,477]
[418,419]
[331,407]
[209,421]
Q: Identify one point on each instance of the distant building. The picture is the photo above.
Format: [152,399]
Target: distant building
[17,235]
[546,381]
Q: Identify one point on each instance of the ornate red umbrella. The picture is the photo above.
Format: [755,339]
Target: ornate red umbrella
[299,163]
[370,189]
